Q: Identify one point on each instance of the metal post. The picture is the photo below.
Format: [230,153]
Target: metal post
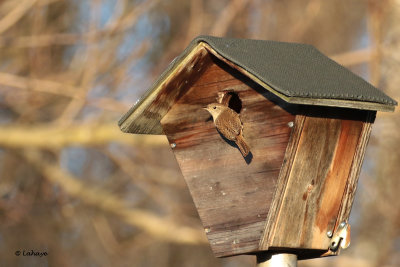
[276,260]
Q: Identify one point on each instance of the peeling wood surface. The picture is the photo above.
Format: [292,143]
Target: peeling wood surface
[317,179]
[232,194]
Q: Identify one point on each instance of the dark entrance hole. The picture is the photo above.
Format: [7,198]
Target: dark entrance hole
[231,99]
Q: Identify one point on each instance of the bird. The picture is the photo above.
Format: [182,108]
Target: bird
[228,123]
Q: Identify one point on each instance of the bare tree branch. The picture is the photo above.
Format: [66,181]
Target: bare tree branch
[16,14]
[152,224]
[51,136]
[227,15]
[39,85]
[354,57]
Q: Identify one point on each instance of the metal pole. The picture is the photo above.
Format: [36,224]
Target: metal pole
[276,260]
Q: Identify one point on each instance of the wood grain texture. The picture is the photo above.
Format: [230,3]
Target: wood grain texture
[146,115]
[232,194]
[317,180]
[283,179]
[356,164]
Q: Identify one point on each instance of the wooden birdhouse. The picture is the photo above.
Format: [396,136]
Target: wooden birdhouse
[306,120]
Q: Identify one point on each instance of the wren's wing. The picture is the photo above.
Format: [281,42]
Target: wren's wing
[228,124]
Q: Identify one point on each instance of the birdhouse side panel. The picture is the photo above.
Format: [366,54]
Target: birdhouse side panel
[232,194]
[355,170]
[317,180]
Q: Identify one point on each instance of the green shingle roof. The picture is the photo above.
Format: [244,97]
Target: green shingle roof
[296,70]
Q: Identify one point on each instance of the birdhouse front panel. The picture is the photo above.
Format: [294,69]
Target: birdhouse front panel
[232,193]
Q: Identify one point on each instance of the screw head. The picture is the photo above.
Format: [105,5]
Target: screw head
[329,234]
[290,124]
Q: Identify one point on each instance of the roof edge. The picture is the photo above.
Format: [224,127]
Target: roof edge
[126,121]
[340,103]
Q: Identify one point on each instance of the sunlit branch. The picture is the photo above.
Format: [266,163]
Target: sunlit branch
[154,225]
[51,136]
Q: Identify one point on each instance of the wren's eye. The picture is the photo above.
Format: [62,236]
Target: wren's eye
[214,107]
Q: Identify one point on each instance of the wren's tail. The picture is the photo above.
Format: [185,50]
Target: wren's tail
[243,147]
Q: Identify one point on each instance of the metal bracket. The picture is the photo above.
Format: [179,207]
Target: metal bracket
[341,237]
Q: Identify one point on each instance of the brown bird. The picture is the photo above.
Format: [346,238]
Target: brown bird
[229,125]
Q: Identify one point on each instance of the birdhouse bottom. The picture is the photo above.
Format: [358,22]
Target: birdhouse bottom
[296,186]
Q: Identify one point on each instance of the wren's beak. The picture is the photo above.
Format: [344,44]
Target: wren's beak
[208,111]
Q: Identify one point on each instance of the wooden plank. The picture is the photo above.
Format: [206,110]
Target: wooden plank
[356,164]
[349,194]
[283,179]
[232,194]
[145,116]
[317,180]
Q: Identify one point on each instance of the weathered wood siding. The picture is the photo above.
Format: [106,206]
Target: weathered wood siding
[232,194]
[146,115]
[318,178]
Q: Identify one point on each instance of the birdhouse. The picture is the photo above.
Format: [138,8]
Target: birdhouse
[306,121]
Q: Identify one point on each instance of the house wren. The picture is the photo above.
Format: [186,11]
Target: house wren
[229,125]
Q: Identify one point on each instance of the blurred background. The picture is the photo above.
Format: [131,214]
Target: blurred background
[74,186]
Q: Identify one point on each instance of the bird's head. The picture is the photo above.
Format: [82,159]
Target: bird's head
[215,109]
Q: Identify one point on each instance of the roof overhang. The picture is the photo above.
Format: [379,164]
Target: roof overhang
[144,117]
